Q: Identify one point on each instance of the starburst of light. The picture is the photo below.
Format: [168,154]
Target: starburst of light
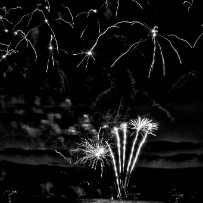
[154,35]
[51,53]
[141,127]
[113,151]
[87,54]
[148,129]
[93,152]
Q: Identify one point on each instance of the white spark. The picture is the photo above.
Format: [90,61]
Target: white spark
[190,4]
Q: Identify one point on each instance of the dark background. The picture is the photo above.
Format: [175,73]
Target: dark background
[43,111]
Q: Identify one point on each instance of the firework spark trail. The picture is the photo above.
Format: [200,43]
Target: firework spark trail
[93,152]
[148,129]
[115,169]
[197,39]
[159,106]
[20,32]
[162,58]
[61,155]
[183,80]
[132,151]
[24,35]
[181,39]
[118,148]
[173,48]
[2,20]
[139,125]
[153,56]
[84,30]
[154,33]
[71,15]
[118,5]
[129,49]
[89,53]
[51,55]
[190,4]
[99,151]
[46,21]
[31,16]
[124,127]
[7,12]
[137,3]
[7,51]
[48,7]
[138,151]
[87,12]
[82,33]
[64,21]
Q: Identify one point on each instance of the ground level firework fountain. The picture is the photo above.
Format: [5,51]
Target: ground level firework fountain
[120,150]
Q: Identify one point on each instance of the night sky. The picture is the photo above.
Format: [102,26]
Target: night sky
[52,92]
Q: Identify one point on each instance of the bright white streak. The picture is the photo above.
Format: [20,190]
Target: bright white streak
[138,4]
[153,57]
[162,57]
[61,155]
[132,150]
[180,61]
[119,147]
[190,4]
[115,168]
[123,54]
[197,40]
[66,7]
[184,40]
[124,125]
[138,151]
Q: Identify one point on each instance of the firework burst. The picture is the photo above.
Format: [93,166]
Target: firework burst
[93,152]
[102,152]
[154,35]
[124,162]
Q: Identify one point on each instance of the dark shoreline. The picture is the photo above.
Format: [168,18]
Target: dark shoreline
[66,182]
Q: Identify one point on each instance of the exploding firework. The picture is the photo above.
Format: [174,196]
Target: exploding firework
[93,152]
[154,35]
[21,31]
[123,161]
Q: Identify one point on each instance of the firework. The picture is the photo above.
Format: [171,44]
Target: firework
[93,152]
[147,127]
[198,38]
[190,4]
[100,152]
[51,55]
[87,53]
[90,53]
[137,2]
[154,34]
[20,35]
[141,128]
